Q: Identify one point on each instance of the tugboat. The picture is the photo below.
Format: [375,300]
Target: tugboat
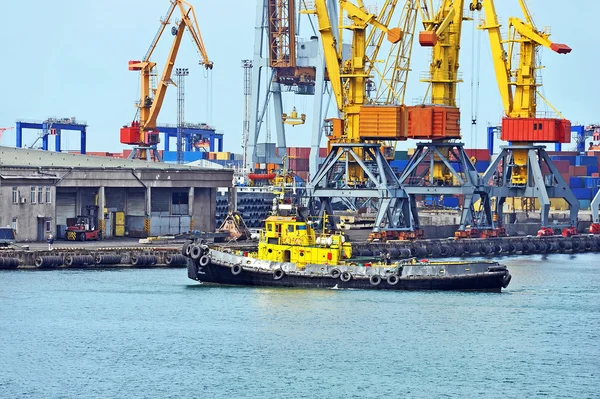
[292,254]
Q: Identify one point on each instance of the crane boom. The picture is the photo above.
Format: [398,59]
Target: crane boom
[517,86]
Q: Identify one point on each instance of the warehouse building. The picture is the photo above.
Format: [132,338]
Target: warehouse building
[41,192]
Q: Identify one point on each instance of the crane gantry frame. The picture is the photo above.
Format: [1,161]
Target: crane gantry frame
[141,132]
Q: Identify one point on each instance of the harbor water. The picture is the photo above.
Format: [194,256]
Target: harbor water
[152,333]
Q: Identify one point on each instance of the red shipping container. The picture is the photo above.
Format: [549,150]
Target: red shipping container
[577,170]
[536,130]
[323,152]
[562,165]
[478,153]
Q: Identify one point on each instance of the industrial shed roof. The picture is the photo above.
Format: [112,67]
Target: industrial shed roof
[19,157]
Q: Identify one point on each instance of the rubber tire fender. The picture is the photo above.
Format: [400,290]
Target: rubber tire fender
[375,280]
[435,251]
[565,245]
[444,250]
[196,252]
[511,248]
[346,276]
[236,269]
[335,272]
[420,252]
[405,253]
[506,280]
[204,260]
[278,274]
[575,244]
[542,247]
[484,249]
[518,246]
[458,250]
[187,249]
[393,279]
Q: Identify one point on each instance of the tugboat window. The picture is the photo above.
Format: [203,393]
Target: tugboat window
[291,228]
[270,226]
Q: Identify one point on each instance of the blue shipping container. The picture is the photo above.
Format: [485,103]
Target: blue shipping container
[582,193]
[570,158]
[451,202]
[481,166]
[586,160]
[399,164]
[592,169]
[576,182]
[590,182]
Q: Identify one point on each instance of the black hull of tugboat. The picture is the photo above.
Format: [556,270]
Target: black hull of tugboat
[489,281]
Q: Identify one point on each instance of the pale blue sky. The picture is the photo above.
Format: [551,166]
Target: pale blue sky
[68,58]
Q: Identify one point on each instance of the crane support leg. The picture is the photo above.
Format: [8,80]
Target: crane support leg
[443,168]
[595,227]
[498,182]
[333,180]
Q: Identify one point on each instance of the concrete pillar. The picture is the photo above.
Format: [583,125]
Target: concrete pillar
[78,210]
[101,206]
[148,200]
[191,201]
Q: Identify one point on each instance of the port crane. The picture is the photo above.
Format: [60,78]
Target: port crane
[282,63]
[523,169]
[142,131]
[440,165]
[355,166]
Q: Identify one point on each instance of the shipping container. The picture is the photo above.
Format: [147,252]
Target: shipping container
[450,202]
[576,182]
[561,165]
[400,165]
[586,160]
[591,182]
[479,154]
[582,193]
[433,122]
[482,166]
[577,170]
[382,122]
[537,130]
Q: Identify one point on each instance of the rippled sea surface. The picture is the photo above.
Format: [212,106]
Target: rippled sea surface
[156,334]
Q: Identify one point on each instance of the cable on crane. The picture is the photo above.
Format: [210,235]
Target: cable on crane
[475,75]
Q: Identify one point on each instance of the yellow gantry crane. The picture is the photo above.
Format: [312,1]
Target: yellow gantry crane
[519,170]
[355,167]
[142,131]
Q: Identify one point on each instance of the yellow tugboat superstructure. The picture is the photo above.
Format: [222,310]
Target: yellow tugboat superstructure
[287,239]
